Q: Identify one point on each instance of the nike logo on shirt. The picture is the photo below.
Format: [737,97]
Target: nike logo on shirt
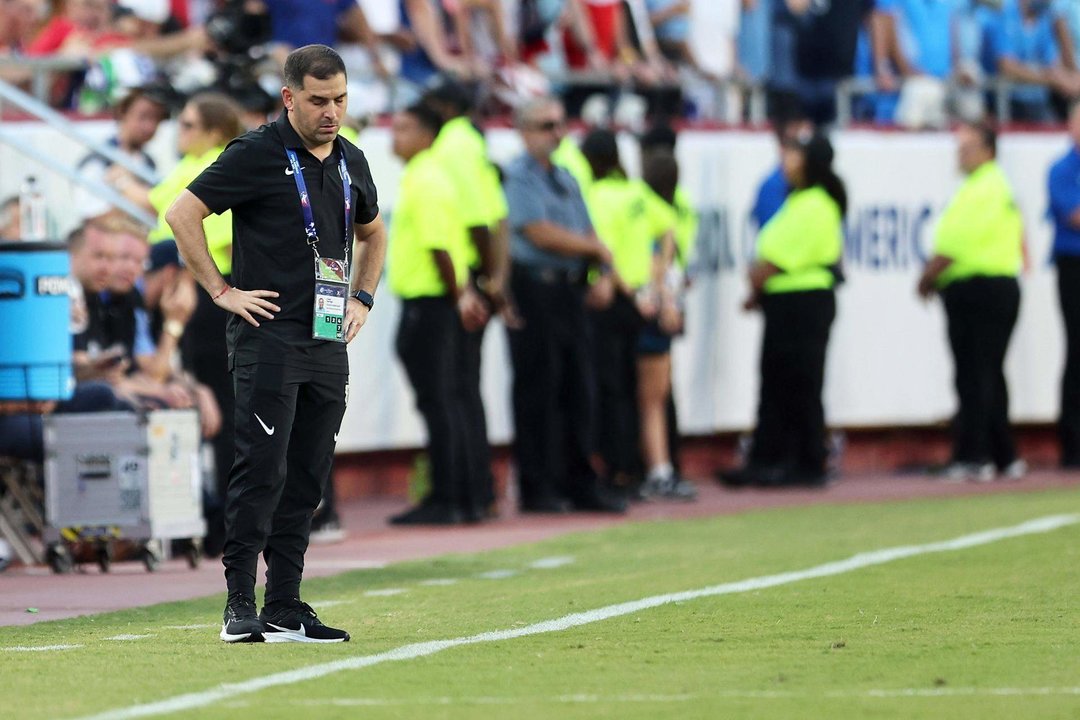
[335,437]
[269,430]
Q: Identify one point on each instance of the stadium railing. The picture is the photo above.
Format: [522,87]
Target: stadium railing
[37,109]
[848,90]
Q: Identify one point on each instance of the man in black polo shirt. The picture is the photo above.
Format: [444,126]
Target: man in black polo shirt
[285,184]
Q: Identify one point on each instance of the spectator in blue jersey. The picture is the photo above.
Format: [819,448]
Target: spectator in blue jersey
[754,44]
[424,44]
[774,189]
[1022,47]
[1064,193]
[296,23]
[925,34]
[1066,15]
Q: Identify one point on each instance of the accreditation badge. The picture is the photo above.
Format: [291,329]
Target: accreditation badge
[331,299]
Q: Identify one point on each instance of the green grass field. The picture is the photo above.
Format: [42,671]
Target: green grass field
[990,631]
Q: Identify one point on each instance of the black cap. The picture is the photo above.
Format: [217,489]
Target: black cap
[162,255]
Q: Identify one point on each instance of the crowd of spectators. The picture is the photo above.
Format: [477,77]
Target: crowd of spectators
[917,63]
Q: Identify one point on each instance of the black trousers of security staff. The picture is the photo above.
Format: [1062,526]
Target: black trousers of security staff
[429,343]
[554,391]
[205,354]
[789,440]
[286,419]
[616,329]
[482,483]
[981,314]
[1068,270]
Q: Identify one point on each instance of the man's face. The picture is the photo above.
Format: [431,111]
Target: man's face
[89,14]
[129,264]
[317,108]
[544,130]
[970,151]
[18,18]
[93,263]
[140,122]
[409,136]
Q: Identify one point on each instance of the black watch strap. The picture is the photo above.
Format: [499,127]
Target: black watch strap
[365,298]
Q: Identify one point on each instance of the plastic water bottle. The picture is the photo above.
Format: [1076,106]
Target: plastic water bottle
[32,221]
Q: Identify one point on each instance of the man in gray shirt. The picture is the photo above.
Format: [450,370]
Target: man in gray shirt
[552,246]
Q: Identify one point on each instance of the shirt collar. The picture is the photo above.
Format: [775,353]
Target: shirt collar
[289,138]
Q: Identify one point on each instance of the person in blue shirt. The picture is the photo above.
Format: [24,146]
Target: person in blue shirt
[296,23]
[1021,46]
[1066,15]
[925,34]
[775,188]
[755,40]
[936,38]
[1064,193]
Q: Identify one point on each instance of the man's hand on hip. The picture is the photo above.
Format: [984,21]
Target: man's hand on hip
[248,303]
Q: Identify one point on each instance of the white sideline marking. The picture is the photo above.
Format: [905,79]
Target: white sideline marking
[129,637]
[228,691]
[686,697]
[203,626]
[40,648]
[328,603]
[439,582]
[497,574]
[387,592]
[970,691]
[551,563]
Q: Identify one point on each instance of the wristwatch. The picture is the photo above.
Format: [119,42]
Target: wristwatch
[174,328]
[365,298]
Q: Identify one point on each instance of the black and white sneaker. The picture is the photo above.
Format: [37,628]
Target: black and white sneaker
[241,621]
[295,621]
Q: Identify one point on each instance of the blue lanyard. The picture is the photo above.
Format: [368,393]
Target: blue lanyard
[305,201]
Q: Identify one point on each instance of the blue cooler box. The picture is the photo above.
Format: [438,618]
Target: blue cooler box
[35,310]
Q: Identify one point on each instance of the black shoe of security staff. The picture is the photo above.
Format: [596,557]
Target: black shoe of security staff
[295,621]
[551,505]
[737,478]
[241,621]
[600,501]
[428,514]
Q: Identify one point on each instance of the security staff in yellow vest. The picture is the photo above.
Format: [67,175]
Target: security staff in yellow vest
[427,268]
[618,211]
[461,151]
[793,281]
[206,124]
[978,253]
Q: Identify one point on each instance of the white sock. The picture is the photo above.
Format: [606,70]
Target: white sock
[661,471]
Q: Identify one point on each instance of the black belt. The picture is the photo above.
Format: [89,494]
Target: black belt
[552,276]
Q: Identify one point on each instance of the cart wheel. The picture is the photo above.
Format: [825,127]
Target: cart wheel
[59,558]
[193,553]
[151,556]
[104,555]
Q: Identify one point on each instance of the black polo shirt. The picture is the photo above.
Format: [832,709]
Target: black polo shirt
[270,250]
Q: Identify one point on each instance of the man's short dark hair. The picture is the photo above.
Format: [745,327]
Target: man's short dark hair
[427,117]
[156,94]
[457,96]
[318,61]
[987,134]
[660,137]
